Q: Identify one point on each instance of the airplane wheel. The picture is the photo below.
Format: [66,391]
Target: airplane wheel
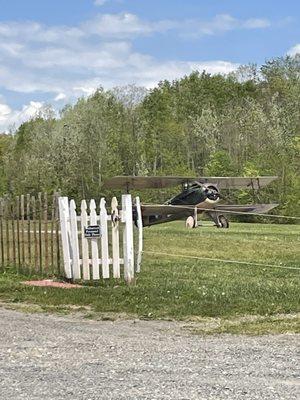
[223,222]
[190,222]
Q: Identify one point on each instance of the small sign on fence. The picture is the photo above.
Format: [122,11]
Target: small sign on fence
[92,231]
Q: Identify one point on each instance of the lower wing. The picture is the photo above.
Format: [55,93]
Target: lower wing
[248,208]
[181,211]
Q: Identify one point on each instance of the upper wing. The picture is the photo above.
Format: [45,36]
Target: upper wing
[145,182]
[158,182]
[238,182]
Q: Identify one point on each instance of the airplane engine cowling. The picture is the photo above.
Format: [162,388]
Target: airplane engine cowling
[212,194]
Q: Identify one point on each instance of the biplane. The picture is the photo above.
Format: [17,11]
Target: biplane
[199,195]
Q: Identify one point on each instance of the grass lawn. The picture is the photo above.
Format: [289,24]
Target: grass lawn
[186,288]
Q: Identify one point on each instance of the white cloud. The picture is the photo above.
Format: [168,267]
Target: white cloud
[125,25]
[14,118]
[4,112]
[100,3]
[63,59]
[221,23]
[118,26]
[146,71]
[60,96]
[68,61]
[87,89]
[257,23]
[294,50]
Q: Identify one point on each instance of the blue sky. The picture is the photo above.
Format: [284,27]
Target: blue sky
[54,51]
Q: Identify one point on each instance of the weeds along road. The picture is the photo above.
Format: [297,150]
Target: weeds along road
[53,357]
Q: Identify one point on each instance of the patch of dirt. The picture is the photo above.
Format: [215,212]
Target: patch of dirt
[52,283]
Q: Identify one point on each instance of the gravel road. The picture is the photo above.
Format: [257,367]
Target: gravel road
[47,357]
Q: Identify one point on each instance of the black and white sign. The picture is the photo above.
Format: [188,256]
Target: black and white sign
[92,231]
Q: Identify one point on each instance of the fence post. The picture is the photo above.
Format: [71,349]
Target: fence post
[18,231]
[28,230]
[22,204]
[128,238]
[84,243]
[1,232]
[104,240]
[45,225]
[12,209]
[74,241]
[52,233]
[56,229]
[115,237]
[6,214]
[140,233]
[64,217]
[35,240]
[40,211]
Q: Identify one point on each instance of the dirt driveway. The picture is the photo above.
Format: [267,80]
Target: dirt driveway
[53,357]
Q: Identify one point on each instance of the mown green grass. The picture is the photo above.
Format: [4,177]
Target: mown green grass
[279,324]
[182,288]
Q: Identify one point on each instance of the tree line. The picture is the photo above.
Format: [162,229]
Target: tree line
[246,123]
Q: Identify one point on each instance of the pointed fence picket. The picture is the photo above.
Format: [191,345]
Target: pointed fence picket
[92,259]
[94,242]
[84,243]
[115,237]
[64,215]
[74,241]
[104,240]
[128,238]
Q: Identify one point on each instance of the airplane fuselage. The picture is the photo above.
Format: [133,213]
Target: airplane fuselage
[192,195]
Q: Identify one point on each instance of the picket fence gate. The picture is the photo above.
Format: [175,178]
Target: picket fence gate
[90,258]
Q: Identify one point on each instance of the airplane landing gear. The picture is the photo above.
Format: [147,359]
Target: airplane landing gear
[222,222]
[190,222]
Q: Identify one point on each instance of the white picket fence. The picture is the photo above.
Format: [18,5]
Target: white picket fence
[91,258]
